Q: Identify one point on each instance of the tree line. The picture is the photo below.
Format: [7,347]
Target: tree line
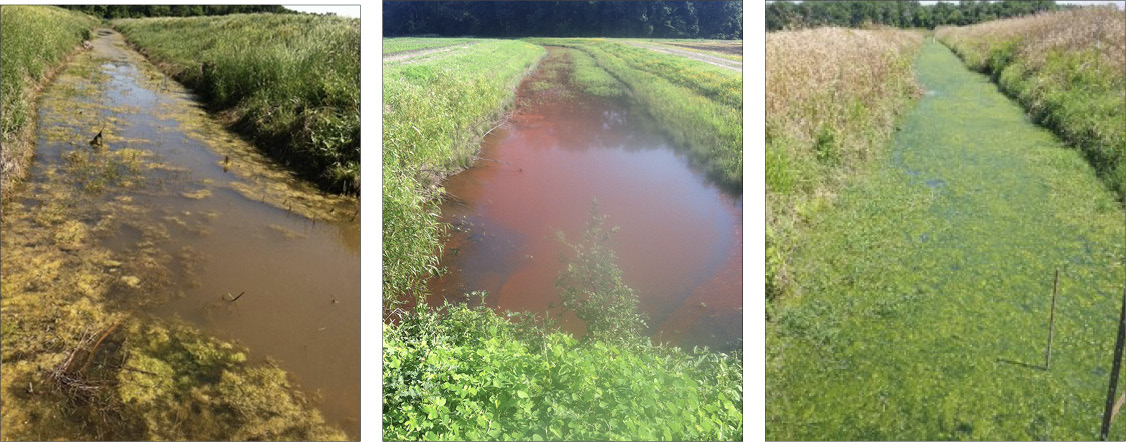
[135,11]
[644,19]
[905,14]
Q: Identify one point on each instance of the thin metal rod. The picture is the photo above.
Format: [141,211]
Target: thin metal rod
[1052,322]
[1119,345]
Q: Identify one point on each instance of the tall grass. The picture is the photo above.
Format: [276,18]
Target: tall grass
[435,111]
[1068,69]
[292,82]
[832,98]
[699,105]
[33,41]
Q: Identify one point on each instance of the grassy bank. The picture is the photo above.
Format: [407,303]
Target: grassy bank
[291,82]
[435,111]
[34,40]
[1067,69]
[832,99]
[699,105]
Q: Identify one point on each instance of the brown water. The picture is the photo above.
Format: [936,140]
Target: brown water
[680,240]
[195,215]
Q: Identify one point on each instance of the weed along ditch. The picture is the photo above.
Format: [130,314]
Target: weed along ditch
[678,241]
[177,243]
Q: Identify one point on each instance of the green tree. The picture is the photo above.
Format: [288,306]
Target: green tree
[591,286]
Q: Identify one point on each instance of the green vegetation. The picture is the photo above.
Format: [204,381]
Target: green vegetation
[434,114]
[393,45]
[832,99]
[110,12]
[292,82]
[700,106]
[923,297]
[1067,70]
[470,374]
[34,40]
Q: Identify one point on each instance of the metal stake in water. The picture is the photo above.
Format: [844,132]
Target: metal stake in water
[1052,322]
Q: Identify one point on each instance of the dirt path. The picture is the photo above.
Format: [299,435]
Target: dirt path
[925,289]
[712,60]
[408,55]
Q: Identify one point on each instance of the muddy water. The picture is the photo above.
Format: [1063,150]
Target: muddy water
[195,217]
[680,240]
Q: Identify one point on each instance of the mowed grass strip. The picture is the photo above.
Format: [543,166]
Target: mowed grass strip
[699,105]
[403,44]
[435,111]
[34,40]
[292,82]
[832,99]
[1068,69]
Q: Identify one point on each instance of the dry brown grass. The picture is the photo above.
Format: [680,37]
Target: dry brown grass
[832,98]
[1098,29]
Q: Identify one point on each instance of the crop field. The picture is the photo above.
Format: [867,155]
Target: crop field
[296,92]
[404,44]
[33,41]
[1068,69]
[731,50]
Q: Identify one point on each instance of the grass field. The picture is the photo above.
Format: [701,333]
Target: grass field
[435,112]
[1067,68]
[403,44]
[34,40]
[699,105]
[832,99]
[292,82]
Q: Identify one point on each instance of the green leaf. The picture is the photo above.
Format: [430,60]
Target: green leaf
[522,394]
[537,437]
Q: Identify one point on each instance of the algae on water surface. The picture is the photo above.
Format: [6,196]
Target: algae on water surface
[923,297]
[84,250]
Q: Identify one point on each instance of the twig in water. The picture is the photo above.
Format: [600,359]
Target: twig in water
[236,297]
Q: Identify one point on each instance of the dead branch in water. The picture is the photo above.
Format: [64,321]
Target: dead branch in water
[236,298]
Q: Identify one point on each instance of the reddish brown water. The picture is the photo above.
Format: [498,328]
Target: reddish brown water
[679,244]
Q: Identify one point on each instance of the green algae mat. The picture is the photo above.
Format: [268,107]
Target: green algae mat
[924,294]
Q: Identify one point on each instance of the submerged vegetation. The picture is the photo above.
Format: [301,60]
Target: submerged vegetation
[1068,70]
[34,40]
[291,82]
[925,293]
[832,100]
[79,360]
[700,106]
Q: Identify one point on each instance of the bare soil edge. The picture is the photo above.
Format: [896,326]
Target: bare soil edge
[19,151]
[714,61]
[406,55]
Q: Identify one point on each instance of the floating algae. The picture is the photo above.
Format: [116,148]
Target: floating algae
[86,249]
